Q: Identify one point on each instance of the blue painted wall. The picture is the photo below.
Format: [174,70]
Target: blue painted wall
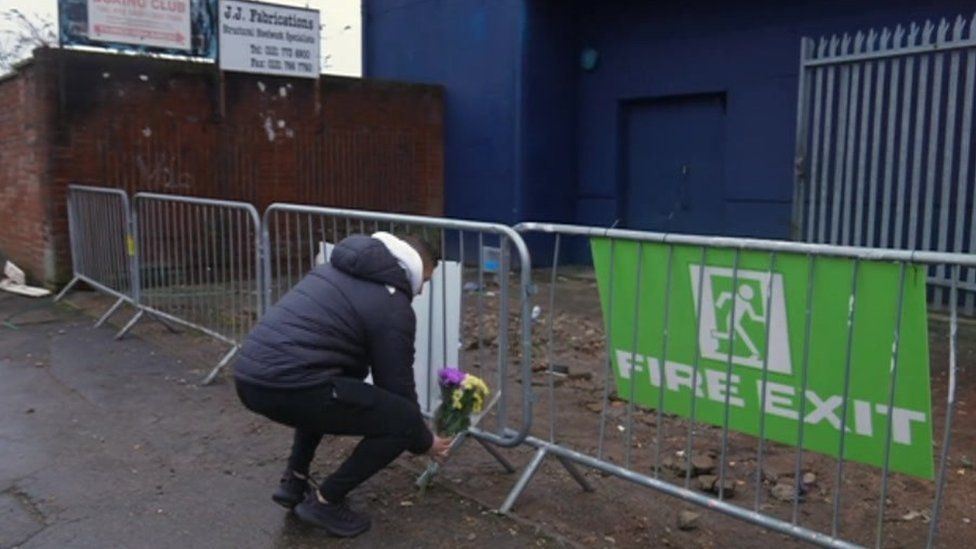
[470,47]
[548,145]
[550,99]
[749,51]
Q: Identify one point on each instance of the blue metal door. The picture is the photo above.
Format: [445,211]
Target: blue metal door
[674,164]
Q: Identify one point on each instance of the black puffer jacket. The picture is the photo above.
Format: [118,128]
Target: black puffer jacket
[353,314]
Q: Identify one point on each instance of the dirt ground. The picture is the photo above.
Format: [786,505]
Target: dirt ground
[617,513]
[113,444]
[629,515]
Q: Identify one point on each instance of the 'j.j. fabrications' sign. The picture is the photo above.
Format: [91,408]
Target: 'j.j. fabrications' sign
[754,318]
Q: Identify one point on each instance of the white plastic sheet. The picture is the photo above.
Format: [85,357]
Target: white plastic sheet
[15,282]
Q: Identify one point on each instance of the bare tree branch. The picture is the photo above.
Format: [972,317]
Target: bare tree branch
[25,32]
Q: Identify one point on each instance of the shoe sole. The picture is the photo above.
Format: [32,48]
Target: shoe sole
[339,533]
[285,502]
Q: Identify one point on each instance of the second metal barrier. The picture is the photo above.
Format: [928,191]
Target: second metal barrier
[490,327]
[199,265]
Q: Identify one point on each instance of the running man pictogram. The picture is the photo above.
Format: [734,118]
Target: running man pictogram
[743,308]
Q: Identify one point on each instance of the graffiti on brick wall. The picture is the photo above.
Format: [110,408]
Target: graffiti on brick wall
[159,171]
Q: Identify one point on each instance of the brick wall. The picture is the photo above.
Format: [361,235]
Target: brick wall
[25,234]
[150,124]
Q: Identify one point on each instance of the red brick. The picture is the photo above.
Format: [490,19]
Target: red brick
[150,124]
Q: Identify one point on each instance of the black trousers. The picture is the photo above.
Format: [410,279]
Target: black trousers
[388,423]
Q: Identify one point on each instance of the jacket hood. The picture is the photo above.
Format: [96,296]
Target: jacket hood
[369,259]
[407,257]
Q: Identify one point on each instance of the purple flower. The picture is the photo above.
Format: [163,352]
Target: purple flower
[451,377]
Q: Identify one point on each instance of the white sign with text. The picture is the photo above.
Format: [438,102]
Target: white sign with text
[268,39]
[159,23]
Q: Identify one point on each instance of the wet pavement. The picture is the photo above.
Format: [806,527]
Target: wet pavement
[109,443]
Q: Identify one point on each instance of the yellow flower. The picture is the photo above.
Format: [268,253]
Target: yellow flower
[479,390]
[474,383]
[456,399]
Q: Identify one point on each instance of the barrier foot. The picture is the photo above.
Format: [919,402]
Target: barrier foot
[574,472]
[128,326]
[64,291]
[523,481]
[115,307]
[507,465]
[220,366]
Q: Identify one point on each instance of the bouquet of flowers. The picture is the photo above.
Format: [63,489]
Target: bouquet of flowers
[461,395]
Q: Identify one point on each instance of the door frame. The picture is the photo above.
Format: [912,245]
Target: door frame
[623,106]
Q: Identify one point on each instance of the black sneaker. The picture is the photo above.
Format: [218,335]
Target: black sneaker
[337,518]
[292,489]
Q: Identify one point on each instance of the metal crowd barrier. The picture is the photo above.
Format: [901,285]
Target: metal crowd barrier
[294,235]
[853,322]
[814,356]
[199,265]
[100,230]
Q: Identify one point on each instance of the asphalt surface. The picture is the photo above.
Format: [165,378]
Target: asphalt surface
[109,443]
